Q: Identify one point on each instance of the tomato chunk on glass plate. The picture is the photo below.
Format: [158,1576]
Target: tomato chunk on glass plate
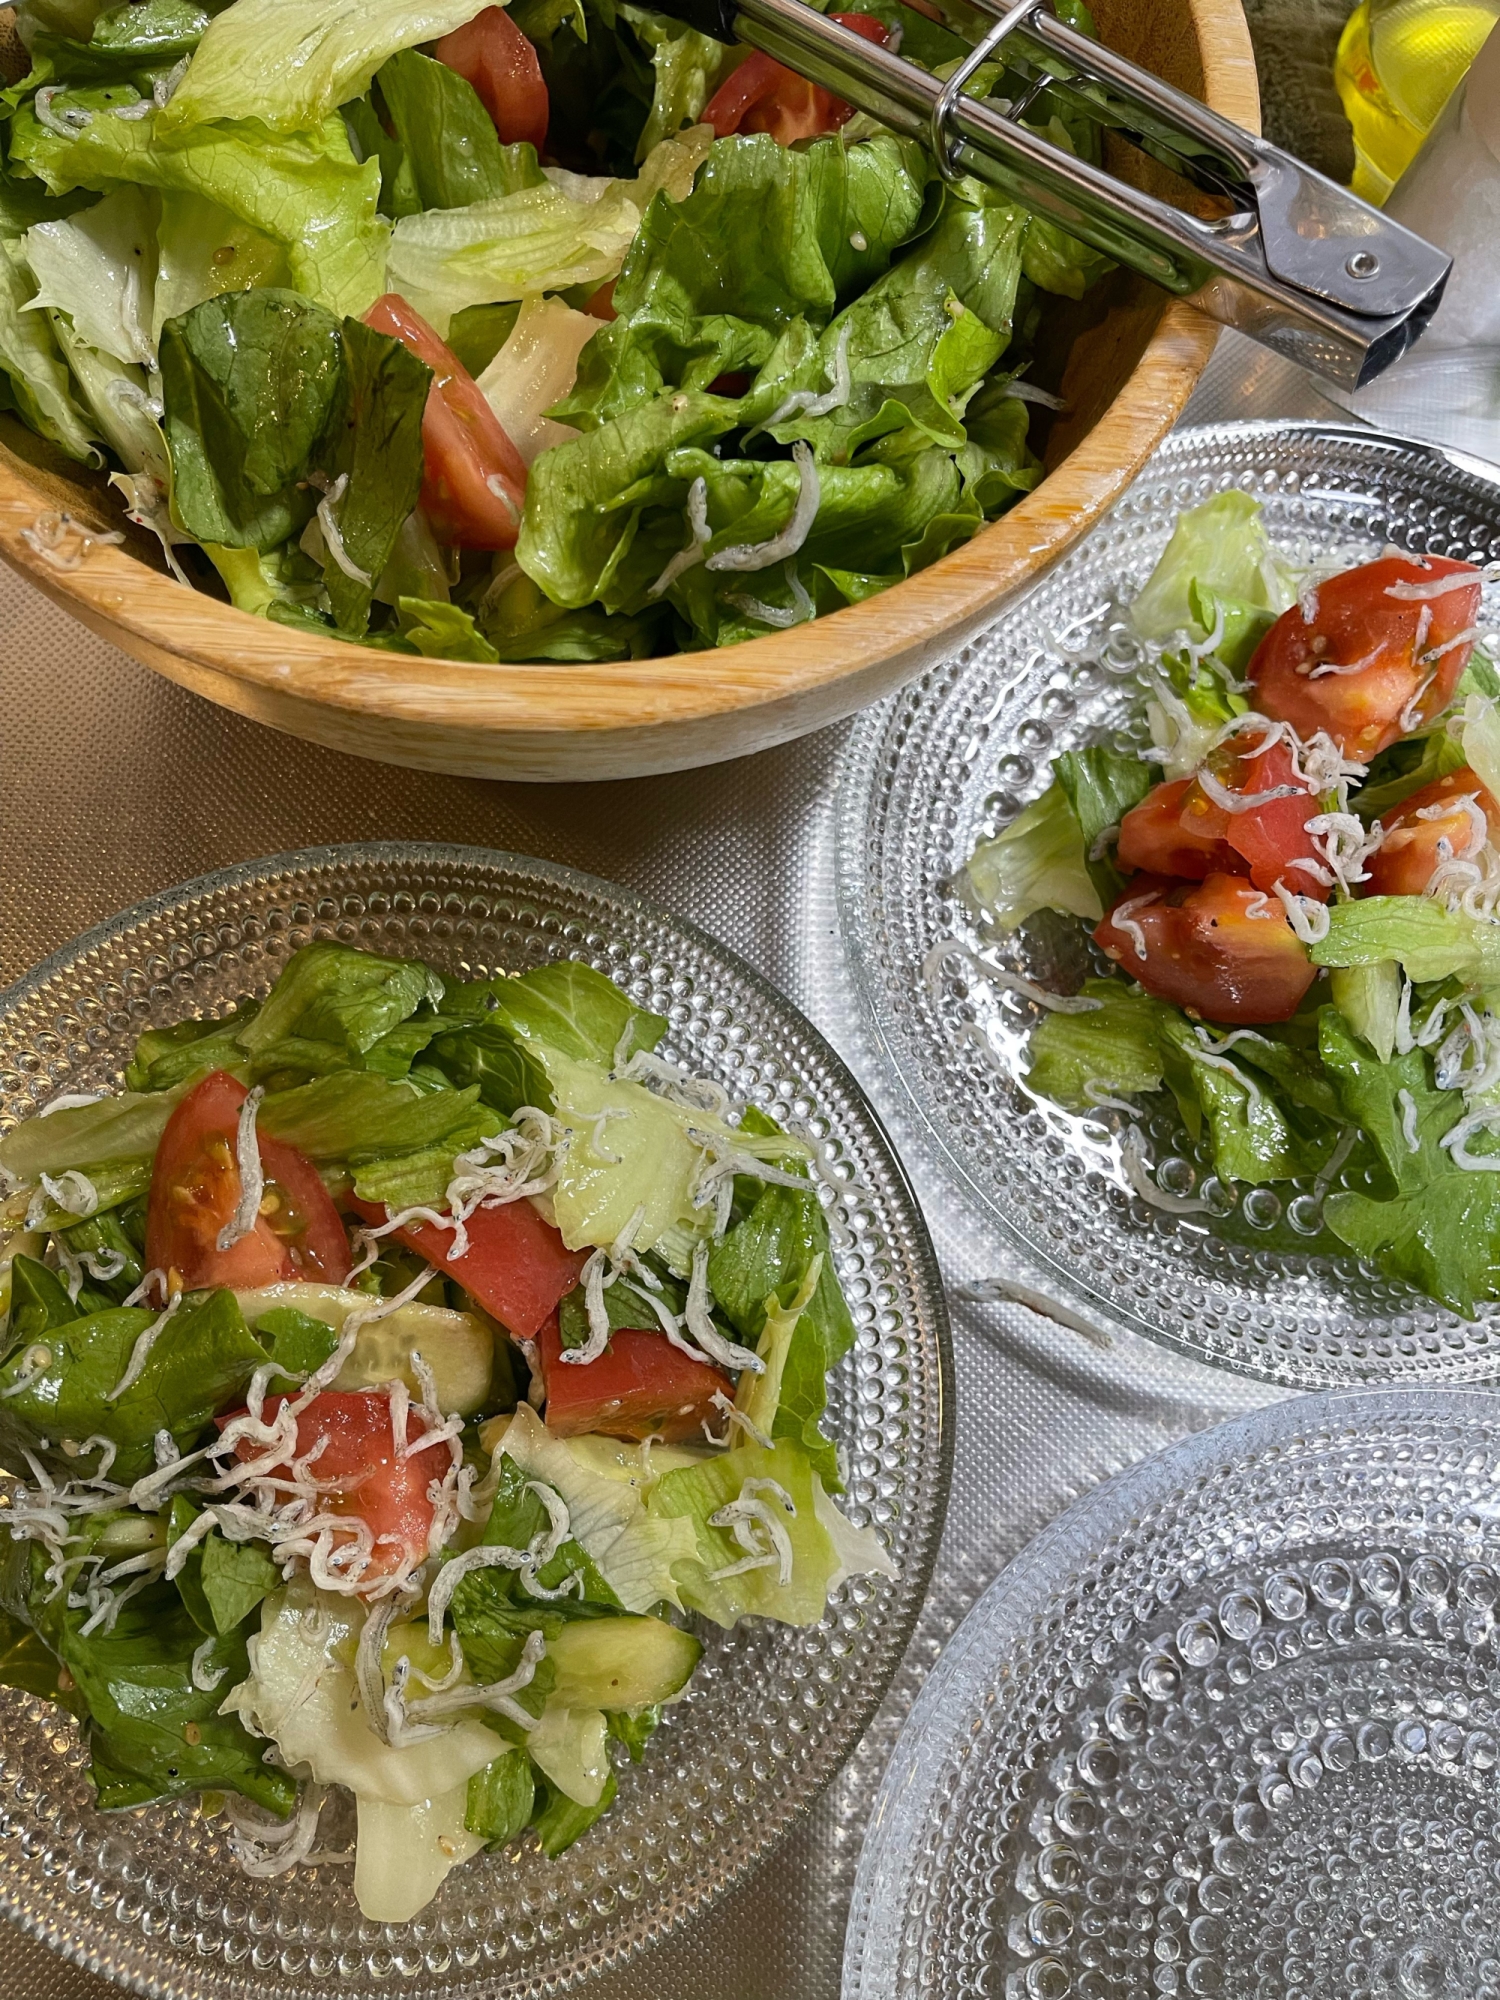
[1222,948]
[378,1500]
[1450,820]
[641,1386]
[195,1191]
[1372,654]
[516,1264]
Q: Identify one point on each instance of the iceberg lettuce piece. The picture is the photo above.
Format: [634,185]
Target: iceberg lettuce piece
[644,1160]
[203,251]
[820,1559]
[1481,739]
[98,267]
[301,1693]
[411,1802]
[1222,547]
[636,1553]
[1428,941]
[570,1747]
[1369,998]
[402,1854]
[1038,862]
[290,63]
[572,230]
[36,375]
[1114,1049]
[303,190]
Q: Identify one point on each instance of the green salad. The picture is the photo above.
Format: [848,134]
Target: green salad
[1294,891]
[558,332]
[397,1374]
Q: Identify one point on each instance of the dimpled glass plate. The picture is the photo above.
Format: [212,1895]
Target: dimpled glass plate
[1229,1726]
[153,1899]
[1257,1284]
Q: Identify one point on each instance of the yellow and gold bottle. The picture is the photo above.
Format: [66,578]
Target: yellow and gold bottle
[1397,62]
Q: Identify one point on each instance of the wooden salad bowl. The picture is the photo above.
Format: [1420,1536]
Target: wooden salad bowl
[1134,360]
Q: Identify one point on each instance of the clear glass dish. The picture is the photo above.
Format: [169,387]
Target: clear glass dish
[152,1898]
[1258,1285]
[1229,1726]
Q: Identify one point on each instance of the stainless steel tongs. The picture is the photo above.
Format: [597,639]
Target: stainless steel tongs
[1298,263]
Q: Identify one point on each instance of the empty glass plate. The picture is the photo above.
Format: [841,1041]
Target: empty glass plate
[1258,1284]
[1230,1726]
[153,1898]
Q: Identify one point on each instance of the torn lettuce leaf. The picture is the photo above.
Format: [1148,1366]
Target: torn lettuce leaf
[567,230]
[111,1131]
[1101,786]
[303,190]
[451,152]
[332,1008]
[1258,1133]
[1428,941]
[203,251]
[577,1012]
[1221,546]
[269,402]
[500,1799]
[819,1560]
[1369,998]
[1037,862]
[290,63]
[99,268]
[199,1364]
[773,1277]
[686,68]
[153,1734]
[1112,1051]
[35,376]
[637,1555]
[1440,1227]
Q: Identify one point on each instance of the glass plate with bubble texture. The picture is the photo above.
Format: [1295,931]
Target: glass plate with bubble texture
[1258,1285]
[153,1899]
[1229,1726]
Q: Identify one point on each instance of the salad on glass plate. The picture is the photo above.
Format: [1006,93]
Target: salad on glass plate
[1290,889]
[391,1368]
[551,332]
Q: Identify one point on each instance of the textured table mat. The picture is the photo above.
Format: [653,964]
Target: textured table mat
[114,784]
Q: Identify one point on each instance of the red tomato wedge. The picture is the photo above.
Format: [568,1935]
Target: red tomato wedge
[1154,837]
[1448,820]
[762,95]
[1375,656]
[491,53]
[474,479]
[1270,841]
[641,1386]
[362,1477]
[195,1190]
[1222,949]
[516,1264]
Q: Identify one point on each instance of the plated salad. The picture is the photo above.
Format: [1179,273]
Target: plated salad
[397,1372]
[1292,892]
[551,332]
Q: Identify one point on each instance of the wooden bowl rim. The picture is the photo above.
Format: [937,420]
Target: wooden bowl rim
[114,589]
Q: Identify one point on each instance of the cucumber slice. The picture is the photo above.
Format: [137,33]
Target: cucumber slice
[459,1348]
[620,1662]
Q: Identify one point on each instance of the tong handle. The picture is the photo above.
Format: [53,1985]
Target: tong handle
[1300,264]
